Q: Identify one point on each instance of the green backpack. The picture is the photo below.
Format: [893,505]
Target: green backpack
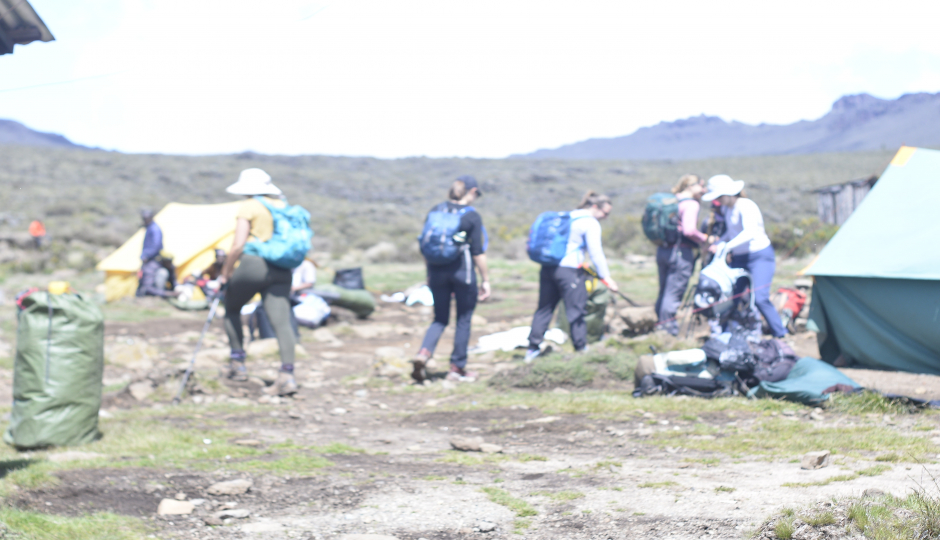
[57,371]
[661,219]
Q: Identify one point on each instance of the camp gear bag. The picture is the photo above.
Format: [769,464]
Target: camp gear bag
[774,360]
[438,242]
[677,385]
[349,278]
[548,237]
[661,219]
[291,239]
[57,371]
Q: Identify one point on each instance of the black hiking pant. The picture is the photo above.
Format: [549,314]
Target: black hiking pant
[255,275]
[457,279]
[558,283]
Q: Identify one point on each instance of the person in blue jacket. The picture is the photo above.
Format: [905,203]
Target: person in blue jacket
[153,237]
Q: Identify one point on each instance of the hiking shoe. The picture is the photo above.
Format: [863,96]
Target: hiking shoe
[460,375]
[285,385]
[237,370]
[532,354]
[419,370]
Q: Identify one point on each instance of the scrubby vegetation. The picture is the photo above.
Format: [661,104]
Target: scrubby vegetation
[89,199]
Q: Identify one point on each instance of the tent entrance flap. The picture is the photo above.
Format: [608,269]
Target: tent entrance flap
[877,322]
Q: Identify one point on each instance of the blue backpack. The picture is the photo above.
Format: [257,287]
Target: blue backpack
[548,237]
[291,239]
[438,241]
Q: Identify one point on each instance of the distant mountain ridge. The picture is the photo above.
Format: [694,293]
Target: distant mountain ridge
[15,133]
[855,123]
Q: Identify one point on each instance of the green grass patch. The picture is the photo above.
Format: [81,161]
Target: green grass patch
[101,526]
[502,497]
[337,448]
[560,496]
[784,528]
[654,485]
[467,458]
[520,525]
[433,478]
[867,402]
[820,519]
[724,489]
[870,471]
[890,458]
[529,457]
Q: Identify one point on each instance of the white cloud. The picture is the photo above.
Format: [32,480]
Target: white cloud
[436,78]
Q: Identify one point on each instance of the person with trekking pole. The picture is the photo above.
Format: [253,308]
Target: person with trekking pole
[281,240]
[747,242]
[454,244]
[676,257]
[564,278]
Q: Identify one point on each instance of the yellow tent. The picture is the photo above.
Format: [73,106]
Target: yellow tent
[191,232]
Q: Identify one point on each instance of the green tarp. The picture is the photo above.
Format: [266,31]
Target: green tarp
[805,383]
[876,300]
[57,372]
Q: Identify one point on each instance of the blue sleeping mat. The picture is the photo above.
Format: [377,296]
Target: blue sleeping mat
[805,383]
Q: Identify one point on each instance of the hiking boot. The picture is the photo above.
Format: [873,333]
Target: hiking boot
[237,370]
[285,385]
[460,375]
[531,354]
[419,370]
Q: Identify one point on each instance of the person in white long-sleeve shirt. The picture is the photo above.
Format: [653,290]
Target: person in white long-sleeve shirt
[567,280]
[748,243]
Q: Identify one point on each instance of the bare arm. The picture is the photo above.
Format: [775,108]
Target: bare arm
[242,229]
[480,262]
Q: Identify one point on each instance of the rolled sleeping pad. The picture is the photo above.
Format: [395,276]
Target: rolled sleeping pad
[360,301]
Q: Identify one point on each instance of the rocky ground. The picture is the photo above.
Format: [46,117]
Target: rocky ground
[392,470]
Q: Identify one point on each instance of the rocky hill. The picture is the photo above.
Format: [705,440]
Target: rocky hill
[855,123]
[15,133]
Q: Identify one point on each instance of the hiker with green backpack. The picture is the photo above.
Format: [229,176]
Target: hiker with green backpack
[279,237]
[671,221]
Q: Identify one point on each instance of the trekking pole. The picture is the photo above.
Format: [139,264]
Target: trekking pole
[591,272]
[192,361]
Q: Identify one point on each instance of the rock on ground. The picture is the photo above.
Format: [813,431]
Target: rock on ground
[815,460]
[172,507]
[230,487]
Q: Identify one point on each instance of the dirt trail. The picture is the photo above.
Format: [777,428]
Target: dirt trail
[584,478]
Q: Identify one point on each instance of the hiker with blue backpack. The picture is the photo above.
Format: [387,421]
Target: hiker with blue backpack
[560,242]
[453,242]
[271,239]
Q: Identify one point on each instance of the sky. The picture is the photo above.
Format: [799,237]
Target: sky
[442,78]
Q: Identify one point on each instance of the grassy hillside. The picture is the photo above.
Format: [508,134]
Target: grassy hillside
[90,199]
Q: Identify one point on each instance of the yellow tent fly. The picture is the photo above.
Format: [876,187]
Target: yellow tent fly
[191,232]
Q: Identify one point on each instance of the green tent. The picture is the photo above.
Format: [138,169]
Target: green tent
[876,298]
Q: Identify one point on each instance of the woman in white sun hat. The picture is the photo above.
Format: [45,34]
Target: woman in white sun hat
[748,244]
[255,275]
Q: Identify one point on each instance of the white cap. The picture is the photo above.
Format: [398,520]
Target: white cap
[722,184]
[253,182]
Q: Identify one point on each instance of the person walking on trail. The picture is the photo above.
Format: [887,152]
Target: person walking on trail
[38,232]
[676,261]
[153,236]
[256,275]
[453,243]
[567,280]
[155,275]
[748,243]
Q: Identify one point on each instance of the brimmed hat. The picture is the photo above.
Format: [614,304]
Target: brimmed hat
[722,184]
[253,182]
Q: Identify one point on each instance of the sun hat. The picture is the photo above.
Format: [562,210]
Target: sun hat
[253,182]
[722,184]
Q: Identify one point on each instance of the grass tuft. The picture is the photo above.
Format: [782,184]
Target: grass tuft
[561,496]
[784,528]
[867,402]
[667,483]
[502,497]
[102,526]
[821,519]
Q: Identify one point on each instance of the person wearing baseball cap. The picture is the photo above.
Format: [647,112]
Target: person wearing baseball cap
[747,242]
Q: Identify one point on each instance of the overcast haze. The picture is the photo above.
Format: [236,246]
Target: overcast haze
[442,78]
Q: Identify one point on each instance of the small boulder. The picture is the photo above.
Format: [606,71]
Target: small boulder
[172,507]
[230,487]
[467,444]
[873,492]
[639,320]
[140,390]
[488,448]
[486,526]
[815,460]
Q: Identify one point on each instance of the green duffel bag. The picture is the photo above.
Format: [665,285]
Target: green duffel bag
[57,371]
[359,301]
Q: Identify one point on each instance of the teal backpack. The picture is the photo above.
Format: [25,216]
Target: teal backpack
[661,219]
[291,239]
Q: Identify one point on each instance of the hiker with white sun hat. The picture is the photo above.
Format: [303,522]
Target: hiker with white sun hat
[748,243]
[271,239]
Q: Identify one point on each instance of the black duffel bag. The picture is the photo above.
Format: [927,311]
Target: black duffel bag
[349,278]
